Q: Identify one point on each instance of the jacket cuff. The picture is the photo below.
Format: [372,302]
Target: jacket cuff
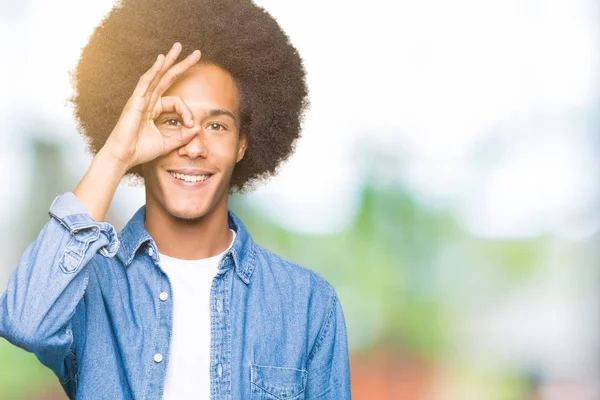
[72,214]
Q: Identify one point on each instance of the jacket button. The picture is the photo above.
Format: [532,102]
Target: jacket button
[150,252]
[219,370]
[163,296]
[219,305]
[158,357]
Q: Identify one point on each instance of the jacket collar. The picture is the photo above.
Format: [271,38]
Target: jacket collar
[134,236]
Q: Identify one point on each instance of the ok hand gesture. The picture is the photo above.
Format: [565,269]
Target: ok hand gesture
[135,138]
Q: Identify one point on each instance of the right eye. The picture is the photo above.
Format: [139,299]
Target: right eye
[172,122]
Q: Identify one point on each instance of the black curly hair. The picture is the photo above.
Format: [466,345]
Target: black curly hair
[236,35]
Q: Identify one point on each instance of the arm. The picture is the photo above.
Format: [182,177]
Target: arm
[97,188]
[328,365]
[50,280]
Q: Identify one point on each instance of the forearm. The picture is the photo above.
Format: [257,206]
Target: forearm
[98,186]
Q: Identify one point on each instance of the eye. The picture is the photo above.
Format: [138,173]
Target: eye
[172,122]
[216,126]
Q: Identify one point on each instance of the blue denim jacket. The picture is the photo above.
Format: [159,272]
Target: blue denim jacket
[87,302]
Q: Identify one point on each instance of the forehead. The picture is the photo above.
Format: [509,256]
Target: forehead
[205,87]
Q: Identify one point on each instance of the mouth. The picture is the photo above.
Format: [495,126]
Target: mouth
[190,179]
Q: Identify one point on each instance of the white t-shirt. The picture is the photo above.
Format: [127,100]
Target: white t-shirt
[188,368]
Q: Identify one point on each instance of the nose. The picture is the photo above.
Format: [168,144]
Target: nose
[197,147]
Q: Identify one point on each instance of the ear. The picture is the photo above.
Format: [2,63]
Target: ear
[242,147]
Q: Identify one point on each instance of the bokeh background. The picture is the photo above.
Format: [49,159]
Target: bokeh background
[447,185]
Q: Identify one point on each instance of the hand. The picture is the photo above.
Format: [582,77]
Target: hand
[135,138]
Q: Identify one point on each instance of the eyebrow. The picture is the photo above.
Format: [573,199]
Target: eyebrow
[220,111]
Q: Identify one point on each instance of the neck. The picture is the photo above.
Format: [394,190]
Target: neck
[188,239]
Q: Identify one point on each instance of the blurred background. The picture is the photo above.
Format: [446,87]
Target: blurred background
[446,184]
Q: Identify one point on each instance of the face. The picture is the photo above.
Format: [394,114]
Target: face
[175,182]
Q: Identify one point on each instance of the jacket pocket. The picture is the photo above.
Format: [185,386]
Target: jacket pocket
[276,383]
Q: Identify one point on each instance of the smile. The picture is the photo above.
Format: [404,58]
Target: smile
[189,178]
[190,182]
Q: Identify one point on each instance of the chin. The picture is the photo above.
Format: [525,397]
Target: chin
[189,212]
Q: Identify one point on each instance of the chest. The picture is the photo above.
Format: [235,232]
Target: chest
[251,340]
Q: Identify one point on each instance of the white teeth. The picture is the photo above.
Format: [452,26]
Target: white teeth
[190,178]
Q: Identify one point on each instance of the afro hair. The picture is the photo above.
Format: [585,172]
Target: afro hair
[236,35]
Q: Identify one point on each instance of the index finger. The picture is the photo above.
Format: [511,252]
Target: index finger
[169,61]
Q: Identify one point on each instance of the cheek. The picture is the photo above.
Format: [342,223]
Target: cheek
[225,150]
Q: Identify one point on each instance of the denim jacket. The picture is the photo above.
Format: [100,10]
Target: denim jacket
[95,307]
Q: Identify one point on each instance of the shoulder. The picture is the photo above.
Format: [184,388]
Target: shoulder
[290,275]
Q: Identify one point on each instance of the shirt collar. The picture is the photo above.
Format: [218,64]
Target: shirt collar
[134,235]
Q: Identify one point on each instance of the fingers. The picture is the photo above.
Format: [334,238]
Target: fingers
[182,137]
[176,103]
[169,60]
[179,136]
[170,104]
[162,74]
[145,80]
[173,72]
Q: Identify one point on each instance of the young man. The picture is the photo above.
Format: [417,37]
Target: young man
[181,303]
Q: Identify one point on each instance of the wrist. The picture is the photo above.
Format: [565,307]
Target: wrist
[111,162]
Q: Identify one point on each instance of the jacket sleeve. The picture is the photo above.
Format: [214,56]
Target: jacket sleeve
[328,364]
[50,280]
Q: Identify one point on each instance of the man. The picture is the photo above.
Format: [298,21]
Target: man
[181,303]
